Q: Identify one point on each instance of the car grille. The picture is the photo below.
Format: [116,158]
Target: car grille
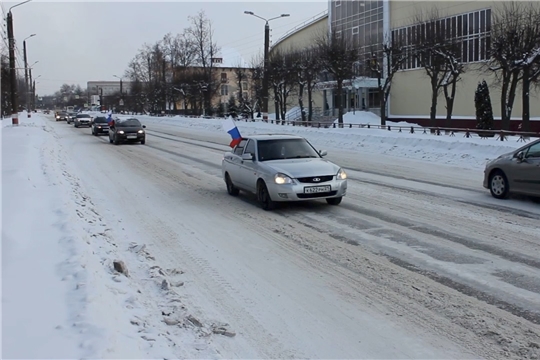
[315,179]
[316,195]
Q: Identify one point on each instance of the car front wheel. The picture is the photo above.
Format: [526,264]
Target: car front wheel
[498,185]
[231,189]
[264,197]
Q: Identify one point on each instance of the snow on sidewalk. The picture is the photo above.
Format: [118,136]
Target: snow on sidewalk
[61,297]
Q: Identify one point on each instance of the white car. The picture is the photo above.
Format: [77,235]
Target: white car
[279,168]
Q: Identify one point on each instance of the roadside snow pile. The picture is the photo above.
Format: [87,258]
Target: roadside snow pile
[452,150]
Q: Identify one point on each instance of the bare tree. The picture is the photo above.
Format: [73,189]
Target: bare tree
[514,54]
[385,67]
[338,57]
[281,77]
[439,54]
[307,66]
[257,74]
[202,34]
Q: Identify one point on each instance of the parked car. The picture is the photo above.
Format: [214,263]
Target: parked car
[127,130]
[82,120]
[515,172]
[100,126]
[280,168]
[47,111]
[62,116]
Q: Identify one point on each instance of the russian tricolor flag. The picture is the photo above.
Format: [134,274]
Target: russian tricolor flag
[230,127]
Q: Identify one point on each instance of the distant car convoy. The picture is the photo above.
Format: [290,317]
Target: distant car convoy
[282,168]
[122,131]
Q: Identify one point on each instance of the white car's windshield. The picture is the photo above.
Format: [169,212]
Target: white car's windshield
[285,149]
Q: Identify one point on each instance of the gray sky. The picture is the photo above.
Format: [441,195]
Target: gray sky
[80,41]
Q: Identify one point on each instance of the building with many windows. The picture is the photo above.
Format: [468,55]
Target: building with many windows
[367,24]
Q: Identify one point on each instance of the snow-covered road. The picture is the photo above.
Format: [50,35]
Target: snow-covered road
[417,262]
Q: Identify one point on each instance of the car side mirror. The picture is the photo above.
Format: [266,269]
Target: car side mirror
[323,152]
[247,156]
[144,126]
[520,156]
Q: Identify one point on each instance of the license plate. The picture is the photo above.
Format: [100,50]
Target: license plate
[317,189]
[132,136]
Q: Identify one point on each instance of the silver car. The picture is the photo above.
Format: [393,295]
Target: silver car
[82,120]
[279,168]
[515,172]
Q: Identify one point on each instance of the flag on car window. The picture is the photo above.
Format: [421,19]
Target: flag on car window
[230,127]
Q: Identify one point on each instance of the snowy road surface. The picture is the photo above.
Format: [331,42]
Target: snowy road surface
[417,262]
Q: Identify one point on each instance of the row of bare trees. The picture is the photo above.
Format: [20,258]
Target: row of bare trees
[179,68]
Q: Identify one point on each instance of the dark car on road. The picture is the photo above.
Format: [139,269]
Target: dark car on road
[100,126]
[127,130]
[62,116]
[71,117]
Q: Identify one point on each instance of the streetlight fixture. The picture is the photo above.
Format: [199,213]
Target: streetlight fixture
[121,102]
[31,66]
[26,83]
[265,70]
[13,73]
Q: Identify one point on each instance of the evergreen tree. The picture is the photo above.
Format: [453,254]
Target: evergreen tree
[231,107]
[220,110]
[484,110]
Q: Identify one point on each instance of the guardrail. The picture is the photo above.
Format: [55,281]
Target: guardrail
[501,135]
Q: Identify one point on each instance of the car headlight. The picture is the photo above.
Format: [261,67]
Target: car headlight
[141,131]
[281,179]
[121,131]
[341,175]
[99,127]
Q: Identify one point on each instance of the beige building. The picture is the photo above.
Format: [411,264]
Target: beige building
[369,22]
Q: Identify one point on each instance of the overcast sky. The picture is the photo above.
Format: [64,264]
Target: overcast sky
[79,41]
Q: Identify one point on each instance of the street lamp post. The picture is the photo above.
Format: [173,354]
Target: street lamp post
[265,70]
[26,83]
[13,72]
[33,102]
[121,93]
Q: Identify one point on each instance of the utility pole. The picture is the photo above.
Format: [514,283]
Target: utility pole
[265,73]
[12,72]
[29,77]
[26,83]
[12,69]
[34,95]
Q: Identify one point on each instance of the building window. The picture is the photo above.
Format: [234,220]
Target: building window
[244,85]
[471,30]
[245,95]
[224,90]
[338,3]
[223,76]
[355,30]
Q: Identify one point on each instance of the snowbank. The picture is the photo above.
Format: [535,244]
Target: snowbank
[452,150]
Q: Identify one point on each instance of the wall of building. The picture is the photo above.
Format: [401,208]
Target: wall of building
[302,38]
[411,90]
